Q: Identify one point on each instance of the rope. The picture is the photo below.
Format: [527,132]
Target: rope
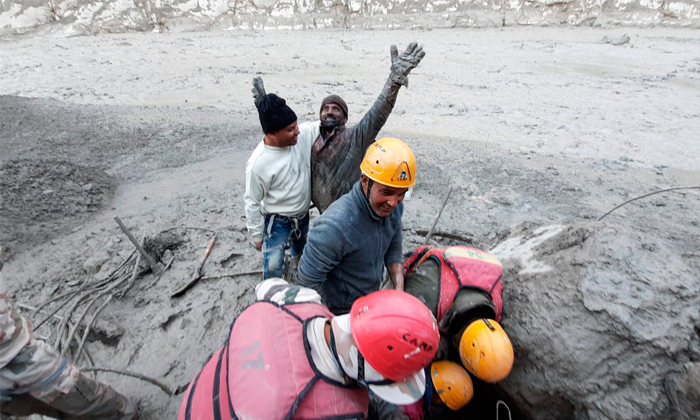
[498,403]
[647,195]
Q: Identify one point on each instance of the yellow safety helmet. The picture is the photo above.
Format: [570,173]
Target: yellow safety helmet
[390,162]
[486,350]
[452,383]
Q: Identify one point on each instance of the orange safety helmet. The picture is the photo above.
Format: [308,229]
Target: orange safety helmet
[486,350]
[389,161]
[452,383]
[394,332]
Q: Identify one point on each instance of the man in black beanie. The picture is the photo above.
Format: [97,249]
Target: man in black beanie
[338,150]
[278,184]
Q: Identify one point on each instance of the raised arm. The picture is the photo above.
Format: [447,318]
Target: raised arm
[258,90]
[401,65]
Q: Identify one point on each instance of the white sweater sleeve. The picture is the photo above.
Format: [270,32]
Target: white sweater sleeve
[255,189]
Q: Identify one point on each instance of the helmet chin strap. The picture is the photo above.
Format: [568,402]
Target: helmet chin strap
[370,183]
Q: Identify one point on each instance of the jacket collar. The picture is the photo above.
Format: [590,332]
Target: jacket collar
[336,131]
[361,201]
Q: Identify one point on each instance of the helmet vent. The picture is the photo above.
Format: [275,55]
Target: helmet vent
[390,348]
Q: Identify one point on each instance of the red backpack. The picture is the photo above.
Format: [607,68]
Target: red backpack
[460,268]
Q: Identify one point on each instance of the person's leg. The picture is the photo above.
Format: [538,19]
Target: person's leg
[298,241]
[50,383]
[92,399]
[275,241]
[299,237]
[26,405]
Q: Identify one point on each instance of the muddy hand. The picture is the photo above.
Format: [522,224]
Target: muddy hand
[402,64]
[258,90]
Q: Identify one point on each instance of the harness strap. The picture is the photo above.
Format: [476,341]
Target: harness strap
[296,232]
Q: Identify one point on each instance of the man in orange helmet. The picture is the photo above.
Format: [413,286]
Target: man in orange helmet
[360,233]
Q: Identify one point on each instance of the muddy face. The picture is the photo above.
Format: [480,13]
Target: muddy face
[333,112]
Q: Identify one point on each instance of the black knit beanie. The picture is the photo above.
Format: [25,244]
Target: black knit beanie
[274,113]
[335,99]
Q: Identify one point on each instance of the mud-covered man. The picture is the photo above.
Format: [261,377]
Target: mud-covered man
[338,150]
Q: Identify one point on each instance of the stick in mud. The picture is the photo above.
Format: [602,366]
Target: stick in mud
[55,311]
[135,272]
[151,262]
[198,272]
[432,228]
[223,276]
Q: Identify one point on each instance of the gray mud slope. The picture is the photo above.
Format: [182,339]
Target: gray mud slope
[555,148]
[60,163]
[605,316]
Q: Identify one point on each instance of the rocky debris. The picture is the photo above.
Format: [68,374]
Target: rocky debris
[617,41]
[603,325]
[106,332]
[41,198]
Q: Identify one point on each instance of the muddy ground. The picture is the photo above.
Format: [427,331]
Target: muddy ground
[532,125]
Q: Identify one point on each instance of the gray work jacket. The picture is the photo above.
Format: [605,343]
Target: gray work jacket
[347,249]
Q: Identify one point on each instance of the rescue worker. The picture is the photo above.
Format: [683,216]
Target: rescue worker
[360,233]
[449,389]
[288,357]
[338,150]
[278,185]
[35,379]
[462,287]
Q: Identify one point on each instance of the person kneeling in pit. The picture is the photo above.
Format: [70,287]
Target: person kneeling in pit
[462,287]
[288,357]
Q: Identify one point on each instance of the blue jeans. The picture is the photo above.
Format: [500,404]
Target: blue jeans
[281,233]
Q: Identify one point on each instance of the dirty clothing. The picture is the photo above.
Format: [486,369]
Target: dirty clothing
[14,330]
[278,181]
[335,160]
[34,378]
[347,249]
[87,398]
[281,233]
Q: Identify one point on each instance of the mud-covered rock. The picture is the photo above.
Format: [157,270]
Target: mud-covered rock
[604,325]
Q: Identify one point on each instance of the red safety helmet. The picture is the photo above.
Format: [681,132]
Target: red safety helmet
[394,332]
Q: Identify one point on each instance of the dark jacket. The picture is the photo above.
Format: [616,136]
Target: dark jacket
[335,162]
[347,249]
